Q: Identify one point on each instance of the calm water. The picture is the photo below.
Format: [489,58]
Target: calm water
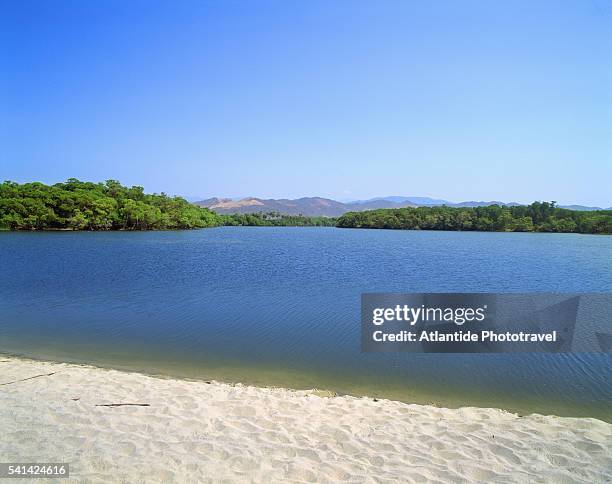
[280,306]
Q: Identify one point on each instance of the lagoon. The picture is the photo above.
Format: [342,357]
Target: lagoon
[281,306]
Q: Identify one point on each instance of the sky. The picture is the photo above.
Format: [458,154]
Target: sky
[461,100]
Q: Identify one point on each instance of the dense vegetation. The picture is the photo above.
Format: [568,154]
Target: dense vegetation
[77,205]
[276,219]
[537,217]
[81,205]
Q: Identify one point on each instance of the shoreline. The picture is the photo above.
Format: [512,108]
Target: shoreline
[190,430]
[70,230]
[301,380]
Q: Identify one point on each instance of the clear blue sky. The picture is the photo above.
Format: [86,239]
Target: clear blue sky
[461,100]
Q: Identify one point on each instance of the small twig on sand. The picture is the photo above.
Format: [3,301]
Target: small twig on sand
[122,404]
[29,378]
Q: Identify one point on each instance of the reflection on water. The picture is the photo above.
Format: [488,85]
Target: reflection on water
[280,306]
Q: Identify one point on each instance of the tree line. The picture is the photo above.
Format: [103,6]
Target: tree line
[78,205]
[276,219]
[537,217]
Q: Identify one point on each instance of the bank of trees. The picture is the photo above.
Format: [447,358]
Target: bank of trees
[77,205]
[276,219]
[81,205]
[537,217]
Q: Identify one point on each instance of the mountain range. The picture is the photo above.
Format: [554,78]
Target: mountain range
[326,207]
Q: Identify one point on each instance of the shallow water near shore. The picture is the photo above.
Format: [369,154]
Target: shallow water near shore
[280,306]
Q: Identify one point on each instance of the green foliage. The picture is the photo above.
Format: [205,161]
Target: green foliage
[537,217]
[275,219]
[77,205]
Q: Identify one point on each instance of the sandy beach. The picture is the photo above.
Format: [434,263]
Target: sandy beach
[195,431]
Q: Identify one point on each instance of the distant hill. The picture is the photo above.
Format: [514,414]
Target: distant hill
[308,206]
[326,207]
[484,204]
[418,201]
[435,202]
[582,208]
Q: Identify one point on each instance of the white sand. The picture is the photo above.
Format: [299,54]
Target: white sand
[198,432]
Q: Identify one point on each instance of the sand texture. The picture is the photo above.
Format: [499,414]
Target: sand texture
[211,432]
